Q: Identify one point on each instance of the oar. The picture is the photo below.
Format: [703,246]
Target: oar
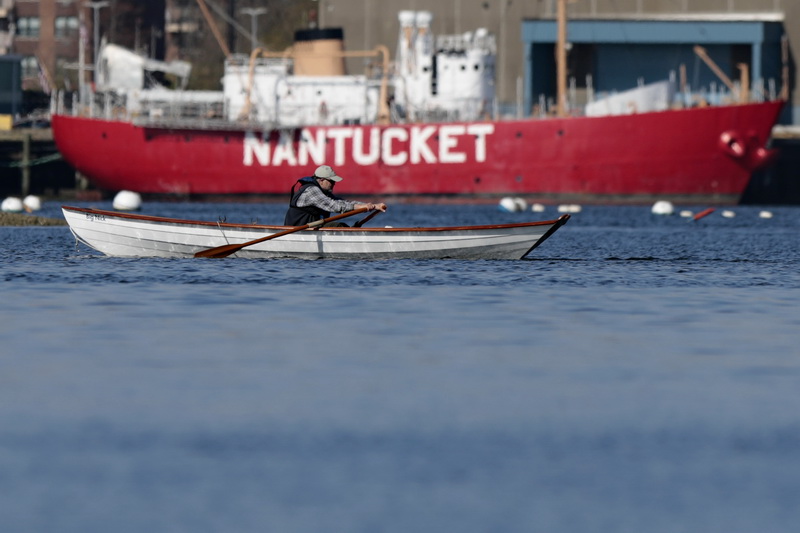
[228,249]
[365,219]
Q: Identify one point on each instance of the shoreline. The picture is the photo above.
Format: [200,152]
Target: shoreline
[22,219]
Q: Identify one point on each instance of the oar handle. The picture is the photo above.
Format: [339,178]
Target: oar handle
[228,249]
[366,219]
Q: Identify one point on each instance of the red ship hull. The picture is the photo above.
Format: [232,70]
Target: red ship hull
[693,155]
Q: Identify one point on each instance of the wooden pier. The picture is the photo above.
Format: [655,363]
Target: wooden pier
[26,153]
[786,132]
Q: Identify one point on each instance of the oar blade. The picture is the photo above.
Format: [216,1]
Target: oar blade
[219,251]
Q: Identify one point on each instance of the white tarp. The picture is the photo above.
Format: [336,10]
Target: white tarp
[121,69]
[647,98]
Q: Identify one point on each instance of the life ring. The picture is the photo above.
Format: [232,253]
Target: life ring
[731,143]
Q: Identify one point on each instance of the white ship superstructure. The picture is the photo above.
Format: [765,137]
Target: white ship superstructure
[445,77]
[442,78]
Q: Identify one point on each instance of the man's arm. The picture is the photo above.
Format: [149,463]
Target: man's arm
[314,196]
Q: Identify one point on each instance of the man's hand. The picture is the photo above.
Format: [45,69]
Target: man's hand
[380,207]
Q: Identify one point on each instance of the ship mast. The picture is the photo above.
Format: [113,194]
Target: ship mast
[214,29]
[561,59]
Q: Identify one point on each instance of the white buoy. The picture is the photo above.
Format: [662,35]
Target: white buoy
[127,201]
[662,207]
[765,214]
[522,205]
[537,208]
[569,208]
[728,213]
[32,203]
[508,204]
[686,213]
[12,204]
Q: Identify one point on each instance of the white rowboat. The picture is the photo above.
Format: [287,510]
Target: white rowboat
[132,235]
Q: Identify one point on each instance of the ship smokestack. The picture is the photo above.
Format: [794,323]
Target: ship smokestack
[318,52]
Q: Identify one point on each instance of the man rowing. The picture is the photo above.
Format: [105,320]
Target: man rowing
[313,199]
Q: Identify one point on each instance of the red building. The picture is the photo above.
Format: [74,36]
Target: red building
[48,34]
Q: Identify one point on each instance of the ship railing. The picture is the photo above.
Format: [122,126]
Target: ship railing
[454,110]
[460,43]
[715,94]
[331,113]
[718,94]
[144,108]
[243,61]
[180,110]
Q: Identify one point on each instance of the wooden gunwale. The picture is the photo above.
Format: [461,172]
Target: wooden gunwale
[183,222]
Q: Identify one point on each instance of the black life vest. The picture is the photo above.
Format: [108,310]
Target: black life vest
[300,216]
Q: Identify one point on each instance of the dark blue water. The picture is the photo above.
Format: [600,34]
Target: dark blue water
[636,374]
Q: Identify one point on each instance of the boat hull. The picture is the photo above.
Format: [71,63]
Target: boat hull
[131,235]
[695,155]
